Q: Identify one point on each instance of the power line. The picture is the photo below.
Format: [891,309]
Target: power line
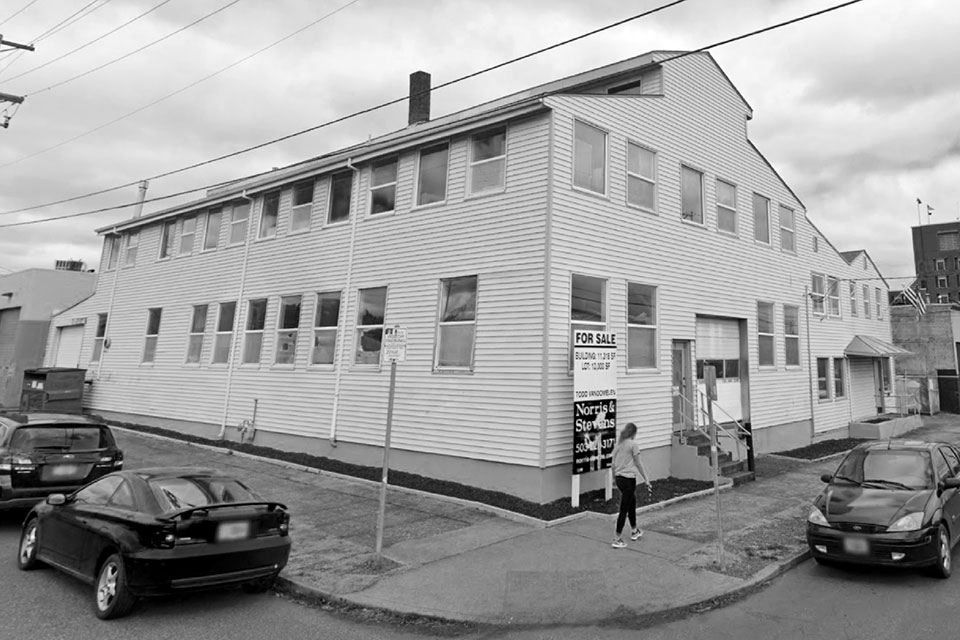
[66,22]
[397,100]
[95,40]
[177,92]
[135,51]
[16,13]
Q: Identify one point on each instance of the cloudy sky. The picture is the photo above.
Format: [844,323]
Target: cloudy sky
[858,109]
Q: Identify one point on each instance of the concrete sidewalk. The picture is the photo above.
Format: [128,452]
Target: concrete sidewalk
[458,562]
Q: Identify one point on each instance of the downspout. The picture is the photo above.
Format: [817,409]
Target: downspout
[236,319]
[113,293]
[344,306]
[547,273]
[806,306]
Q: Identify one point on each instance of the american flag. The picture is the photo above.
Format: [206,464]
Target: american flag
[916,299]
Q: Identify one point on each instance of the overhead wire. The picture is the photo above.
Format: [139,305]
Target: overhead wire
[16,13]
[395,101]
[69,20]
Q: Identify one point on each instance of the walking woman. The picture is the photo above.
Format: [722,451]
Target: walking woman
[627,467]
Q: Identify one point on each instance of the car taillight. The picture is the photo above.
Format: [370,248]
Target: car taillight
[115,461]
[285,524]
[9,463]
[165,538]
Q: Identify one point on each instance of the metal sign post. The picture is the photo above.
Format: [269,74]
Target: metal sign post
[392,349]
[710,378]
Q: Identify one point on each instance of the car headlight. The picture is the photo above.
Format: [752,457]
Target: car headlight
[909,522]
[816,517]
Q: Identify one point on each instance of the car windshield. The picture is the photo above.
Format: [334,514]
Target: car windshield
[887,468]
[59,438]
[184,492]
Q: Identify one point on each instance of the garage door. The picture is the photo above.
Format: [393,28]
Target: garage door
[718,345]
[69,344]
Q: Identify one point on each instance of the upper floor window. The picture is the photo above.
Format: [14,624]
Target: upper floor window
[133,243]
[818,293]
[853,299]
[224,336]
[302,206]
[167,239]
[949,241]
[152,335]
[816,244]
[726,207]
[878,298]
[211,235]
[941,282]
[371,310]
[833,296]
[253,335]
[589,157]
[432,181]
[239,218]
[788,229]
[940,264]
[325,325]
[691,195]
[188,231]
[269,214]
[641,177]
[488,161]
[198,326]
[587,306]
[288,328]
[112,249]
[641,326]
[383,186]
[866,301]
[456,326]
[791,335]
[761,218]
[765,337]
[341,188]
[99,337]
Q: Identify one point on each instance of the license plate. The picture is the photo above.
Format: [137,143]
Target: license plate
[228,531]
[856,546]
[60,470]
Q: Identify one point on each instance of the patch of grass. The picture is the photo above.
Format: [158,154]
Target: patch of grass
[821,449]
[663,489]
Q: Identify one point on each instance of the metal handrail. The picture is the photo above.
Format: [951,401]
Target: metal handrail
[740,428]
[721,430]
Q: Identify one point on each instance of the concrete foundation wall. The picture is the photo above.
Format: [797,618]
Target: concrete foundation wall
[782,437]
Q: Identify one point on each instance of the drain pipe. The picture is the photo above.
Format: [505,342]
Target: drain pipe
[236,319]
[810,363]
[344,306]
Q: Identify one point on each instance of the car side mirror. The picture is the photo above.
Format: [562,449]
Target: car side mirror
[951,483]
[827,477]
[56,499]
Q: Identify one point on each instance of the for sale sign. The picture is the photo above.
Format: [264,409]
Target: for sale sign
[594,400]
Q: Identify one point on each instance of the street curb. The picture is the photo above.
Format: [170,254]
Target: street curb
[809,460]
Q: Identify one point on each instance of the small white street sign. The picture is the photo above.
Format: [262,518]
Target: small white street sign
[394,346]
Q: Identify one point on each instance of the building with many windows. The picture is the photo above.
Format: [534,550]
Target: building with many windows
[627,199]
[936,252]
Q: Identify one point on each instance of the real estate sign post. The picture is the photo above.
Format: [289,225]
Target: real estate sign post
[393,349]
[710,379]
[594,405]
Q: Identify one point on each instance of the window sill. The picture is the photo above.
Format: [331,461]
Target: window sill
[209,250]
[283,366]
[693,223]
[191,365]
[485,194]
[266,238]
[147,364]
[367,368]
[249,365]
[429,205]
[791,252]
[793,367]
[338,223]
[219,365]
[766,367]
[298,232]
[761,243]
[381,214]
[446,371]
[643,371]
[637,207]
[731,234]
[321,367]
[590,192]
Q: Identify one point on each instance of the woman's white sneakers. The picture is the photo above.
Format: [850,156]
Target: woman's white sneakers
[636,534]
[618,543]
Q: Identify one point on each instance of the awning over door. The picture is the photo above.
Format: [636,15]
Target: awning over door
[868,347]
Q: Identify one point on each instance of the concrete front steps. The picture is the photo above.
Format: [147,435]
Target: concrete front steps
[690,458]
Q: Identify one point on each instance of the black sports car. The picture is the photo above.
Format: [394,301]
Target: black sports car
[44,453]
[892,502]
[157,531]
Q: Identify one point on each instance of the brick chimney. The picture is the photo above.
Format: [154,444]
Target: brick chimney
[419,97]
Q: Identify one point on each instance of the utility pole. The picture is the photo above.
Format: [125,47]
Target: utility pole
[7,97]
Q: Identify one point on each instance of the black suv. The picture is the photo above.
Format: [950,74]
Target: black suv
[44,453]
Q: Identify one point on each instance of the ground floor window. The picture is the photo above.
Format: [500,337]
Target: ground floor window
[823,378]
[839,382]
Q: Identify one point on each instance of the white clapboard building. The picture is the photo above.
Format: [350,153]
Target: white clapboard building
[627,199]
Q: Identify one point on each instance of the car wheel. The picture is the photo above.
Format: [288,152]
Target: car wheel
[258,586]
[111,598]
[943,567]
[29,539]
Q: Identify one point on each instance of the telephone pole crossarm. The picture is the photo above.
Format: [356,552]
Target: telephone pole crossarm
[15,45]
[7,97]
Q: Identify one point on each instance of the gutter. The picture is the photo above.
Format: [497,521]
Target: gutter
[810,363]
[113,293]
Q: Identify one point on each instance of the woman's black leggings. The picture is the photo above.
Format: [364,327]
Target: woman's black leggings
[628,502]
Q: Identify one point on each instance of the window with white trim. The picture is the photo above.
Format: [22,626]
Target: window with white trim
[383,186]
[866,301]
[788,229]
[371,310]
[112,249]
[853,299]
[691,194]
[432,176]
[878,297]
[488,161]
[940,264]
[226,315]
[833,297]
[302,206]
[587,307]
[839,381]
[151,336]
[198,327]
[589,157]
[761,218]
[253,333]
[941,282]
[818,293]
[269,213]
[288,329]
[641,177]
[168,238]
[133,244]
[791,335]
[823,378]
[211,233]
[816,244]
[99,337]
[341,190]
[188,231]
[239,219]
[641,326]
[325,324]
[457,323]
[765,335]
[726,207]
[943,298]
